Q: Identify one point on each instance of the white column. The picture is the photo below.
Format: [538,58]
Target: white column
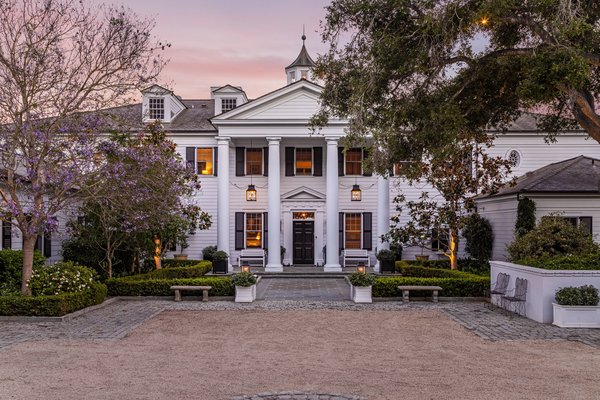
[223,196]
[332,259]
[383,213]
[274,243]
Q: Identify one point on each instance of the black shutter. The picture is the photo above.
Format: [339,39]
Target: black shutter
[265,230]
[190,157]
[340,161]
[265,161]
[317,161]
[6,235]
[341,229]
[38,243]
[367,231]
[289,161]
[240,161]
[365,156]
[47,244]
[215,161]
[239,230]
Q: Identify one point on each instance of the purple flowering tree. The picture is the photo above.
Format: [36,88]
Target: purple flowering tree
[57,59]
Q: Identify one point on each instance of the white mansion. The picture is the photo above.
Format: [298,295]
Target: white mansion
[268,183]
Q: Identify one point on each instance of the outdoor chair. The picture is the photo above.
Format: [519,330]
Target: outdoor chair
[516,302]
[499,288]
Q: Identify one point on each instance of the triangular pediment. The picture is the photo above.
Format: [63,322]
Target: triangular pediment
[299,100]
[227,89]
[303,193]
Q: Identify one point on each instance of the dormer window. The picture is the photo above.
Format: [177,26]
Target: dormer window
[228,104]
[156,108]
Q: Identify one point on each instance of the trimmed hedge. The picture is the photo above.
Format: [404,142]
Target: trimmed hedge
[571,262]
[199,268]
[474,286]
[221,286]
[54,305]
[169,263]
[470,265]
[424,272]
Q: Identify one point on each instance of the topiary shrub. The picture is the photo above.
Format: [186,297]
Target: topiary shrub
[479,236]
[578,296]
[244,279]
[553,236]
[11,267]
[208,253]
[525,216]
[61,277]
[361,279]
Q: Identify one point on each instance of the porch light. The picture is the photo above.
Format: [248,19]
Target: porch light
[361,269]
[355,193]
[245,267]
[251,193]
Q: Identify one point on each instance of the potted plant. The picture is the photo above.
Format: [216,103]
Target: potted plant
[184,245]
[245,287]
[421,241]
[209,252]
[387,260]
[360,287]
[220,262]
[577,307]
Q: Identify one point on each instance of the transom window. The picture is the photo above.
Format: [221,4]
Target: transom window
[254,225]
[353,230]
[228,104]
[156,108]
[303,215]
[514,158]
[304,161]
[204,161]
[254,162]
[354,162]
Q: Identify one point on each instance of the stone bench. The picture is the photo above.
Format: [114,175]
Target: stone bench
[178,290]
[407,289]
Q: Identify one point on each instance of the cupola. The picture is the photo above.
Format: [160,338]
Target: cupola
[301,67]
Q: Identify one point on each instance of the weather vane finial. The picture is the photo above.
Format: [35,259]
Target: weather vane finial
[303,34]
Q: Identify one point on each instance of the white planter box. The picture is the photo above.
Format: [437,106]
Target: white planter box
[542,285]
[245,294]
[361,294]
[576,316]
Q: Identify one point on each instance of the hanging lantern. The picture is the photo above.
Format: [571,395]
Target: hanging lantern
[251,193]
[356,193]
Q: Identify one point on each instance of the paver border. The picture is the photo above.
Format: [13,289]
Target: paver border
[64,318]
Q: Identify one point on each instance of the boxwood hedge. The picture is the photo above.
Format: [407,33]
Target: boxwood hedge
[198,269]
[475,286]
[54,305]
[169,263]
[221,286]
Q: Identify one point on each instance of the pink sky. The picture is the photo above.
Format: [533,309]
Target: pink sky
[245,43]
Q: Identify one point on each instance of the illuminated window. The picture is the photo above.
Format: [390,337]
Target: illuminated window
[292,76]
[254,162]
[304,74]
[204,161]
[254,229]
[156,108]
[354,162]
[304,161]
[228,104]
[353,230]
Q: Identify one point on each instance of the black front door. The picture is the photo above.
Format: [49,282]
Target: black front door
[304,244]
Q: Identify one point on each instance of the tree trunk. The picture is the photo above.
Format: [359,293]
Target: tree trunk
[28,249]
[453,250]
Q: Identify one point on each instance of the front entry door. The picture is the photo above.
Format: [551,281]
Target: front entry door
[304,242]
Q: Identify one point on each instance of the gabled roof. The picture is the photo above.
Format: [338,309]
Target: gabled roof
[576,175]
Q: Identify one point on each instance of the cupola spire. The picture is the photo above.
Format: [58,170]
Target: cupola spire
[302,65]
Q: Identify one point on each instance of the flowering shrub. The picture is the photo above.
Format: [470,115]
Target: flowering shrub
[61,277]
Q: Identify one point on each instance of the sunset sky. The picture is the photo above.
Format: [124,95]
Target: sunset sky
[245,43]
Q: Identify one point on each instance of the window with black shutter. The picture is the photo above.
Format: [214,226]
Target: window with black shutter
[190,157]
[289,161]
[47,244]
[265,161]
[340,161]
[216,163]
[239,230]
[318,161]
[265,230]
[6,235]
[240,161]
[367,231]
[341,233]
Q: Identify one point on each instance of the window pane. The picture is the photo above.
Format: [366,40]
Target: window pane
[254,161]
[228,104]
[354,162]
[254,230]
[156,108]
[204,160]
[440,239]
[353,230]
[303,161]
[586,223]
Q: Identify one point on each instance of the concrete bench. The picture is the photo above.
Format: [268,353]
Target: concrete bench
[406,289]
[355,255]
[178,290]
[252,255]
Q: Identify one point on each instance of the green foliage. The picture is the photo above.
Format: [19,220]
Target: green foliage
[525,216]
[472,286]
[170,263]
[221,286]
[479,236]
[386,255]
[220,256]
[53,305]
[464,264]
[578,296]
[569,262]
[11,267]
[406,269]
[243,279]
[208,253]
[551,237]
[199,269]
[360,279]
[61,277]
